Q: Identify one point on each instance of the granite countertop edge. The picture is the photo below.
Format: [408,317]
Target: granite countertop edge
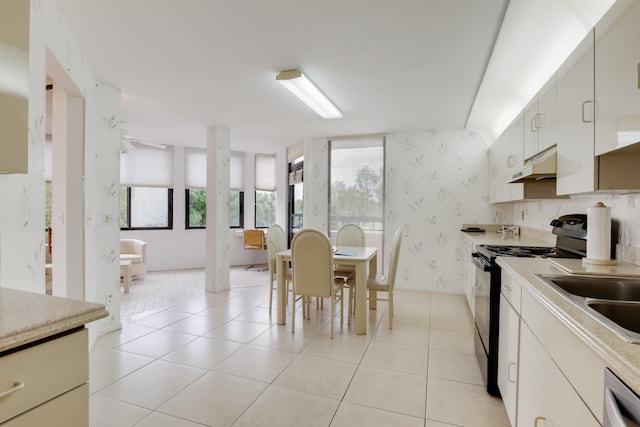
[27,317]
[622,357]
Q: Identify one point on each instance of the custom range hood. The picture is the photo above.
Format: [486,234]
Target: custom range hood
[541,167]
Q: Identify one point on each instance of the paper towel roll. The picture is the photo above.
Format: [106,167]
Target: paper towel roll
[598,234]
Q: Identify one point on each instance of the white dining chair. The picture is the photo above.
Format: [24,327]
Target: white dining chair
[312,261]
[276,242]
[387,283]
[349,235]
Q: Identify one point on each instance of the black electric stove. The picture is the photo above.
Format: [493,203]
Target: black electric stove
[571,242]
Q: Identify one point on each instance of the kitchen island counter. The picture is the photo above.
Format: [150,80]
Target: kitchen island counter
[27,317]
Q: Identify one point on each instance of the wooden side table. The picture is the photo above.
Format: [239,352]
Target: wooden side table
[125,272]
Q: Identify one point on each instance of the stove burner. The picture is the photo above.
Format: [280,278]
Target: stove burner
[521,251]
[530,251]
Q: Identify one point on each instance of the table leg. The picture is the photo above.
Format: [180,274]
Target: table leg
[281,268]
[361,298]
[373,271]
[126,277]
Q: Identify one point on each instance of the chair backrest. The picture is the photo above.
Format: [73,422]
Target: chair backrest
[312,259]
[133,246]
[254,239]
[350,235]
[276,242]
[393,260]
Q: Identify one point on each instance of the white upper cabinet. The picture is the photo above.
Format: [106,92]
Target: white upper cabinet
[532,124]
[505,157]
[617,77]
[576,164]
[14,86]
[539,120]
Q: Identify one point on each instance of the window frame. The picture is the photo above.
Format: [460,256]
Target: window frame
[169,211]
[255,209]
[188,226]
[241,201]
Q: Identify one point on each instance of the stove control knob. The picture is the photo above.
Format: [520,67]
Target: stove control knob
[556,223]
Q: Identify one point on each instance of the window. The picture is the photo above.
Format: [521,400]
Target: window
[296,196]
[146,208]
[357,186]
[265,208]
[236,209]
[146,193]
[265,185]
[196,203]
[196,193]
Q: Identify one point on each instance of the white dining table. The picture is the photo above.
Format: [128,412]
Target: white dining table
[362,258]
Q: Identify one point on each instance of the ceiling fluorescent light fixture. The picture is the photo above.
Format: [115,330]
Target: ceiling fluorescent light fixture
[300,86]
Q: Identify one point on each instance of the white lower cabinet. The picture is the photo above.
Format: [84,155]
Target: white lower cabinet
[508,344]
[46,384]
[545,396]
[469,272]
[69,410]
[547,375]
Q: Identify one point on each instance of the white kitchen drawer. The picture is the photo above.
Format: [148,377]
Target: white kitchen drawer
[46,371]
[69,410]
[512,291]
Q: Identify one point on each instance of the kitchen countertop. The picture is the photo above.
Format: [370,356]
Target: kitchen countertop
[491,237]
[26,317]
[622,357]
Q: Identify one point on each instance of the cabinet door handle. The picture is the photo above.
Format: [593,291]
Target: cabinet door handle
[535,422]
[539,120]
[509,371]
[583,110]
[511,160]
[18,385]
[507,288]
[534,127]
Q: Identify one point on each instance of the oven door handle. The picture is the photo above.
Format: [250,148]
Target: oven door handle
[480,262]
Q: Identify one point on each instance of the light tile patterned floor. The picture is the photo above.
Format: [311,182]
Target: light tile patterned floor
[187,358]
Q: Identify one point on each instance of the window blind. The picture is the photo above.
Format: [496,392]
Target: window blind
[236,171]
[147,167]
[195,162]
[265,172]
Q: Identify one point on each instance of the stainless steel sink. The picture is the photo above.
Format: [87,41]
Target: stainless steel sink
[612,301]
[624,314]
[612,288]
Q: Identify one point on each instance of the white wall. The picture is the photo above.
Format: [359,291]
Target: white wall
[22,254]
[435,181]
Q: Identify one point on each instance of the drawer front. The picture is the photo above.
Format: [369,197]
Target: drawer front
[69,410]
[46,371]
[512,291]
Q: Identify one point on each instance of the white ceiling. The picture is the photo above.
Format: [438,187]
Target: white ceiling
[388,65]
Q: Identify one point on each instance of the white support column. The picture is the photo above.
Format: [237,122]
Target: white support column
[316,184]
[217,232]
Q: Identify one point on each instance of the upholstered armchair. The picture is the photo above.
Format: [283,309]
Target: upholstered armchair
[134,250]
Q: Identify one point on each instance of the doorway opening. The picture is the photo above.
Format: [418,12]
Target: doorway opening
[64,183]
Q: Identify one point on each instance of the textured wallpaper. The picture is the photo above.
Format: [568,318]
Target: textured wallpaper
[436,181]
[22,197]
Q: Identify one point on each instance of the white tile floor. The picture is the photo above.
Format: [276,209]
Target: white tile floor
[188,358]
